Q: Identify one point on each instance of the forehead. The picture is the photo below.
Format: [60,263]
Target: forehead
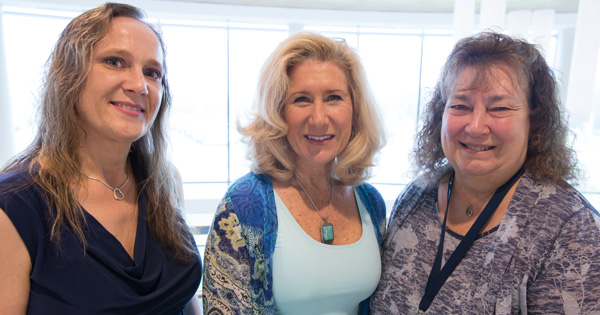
[309,68]
[129,34]
[489,78]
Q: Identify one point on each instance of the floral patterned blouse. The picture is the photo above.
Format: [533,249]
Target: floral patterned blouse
[238,258]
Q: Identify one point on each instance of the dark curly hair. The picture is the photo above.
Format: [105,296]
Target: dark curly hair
[549,157]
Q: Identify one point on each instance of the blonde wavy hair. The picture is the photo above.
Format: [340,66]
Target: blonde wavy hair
[51,157]
[269,149]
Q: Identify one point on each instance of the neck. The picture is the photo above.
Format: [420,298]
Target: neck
[316,178]
[464,194]
[107,164]
[474,192]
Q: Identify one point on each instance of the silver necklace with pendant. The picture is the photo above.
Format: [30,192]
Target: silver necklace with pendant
[326,228]
[117,191]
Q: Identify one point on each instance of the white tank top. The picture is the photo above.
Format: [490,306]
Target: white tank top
[310,277]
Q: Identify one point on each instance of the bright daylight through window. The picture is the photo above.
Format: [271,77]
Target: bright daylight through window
[213,71]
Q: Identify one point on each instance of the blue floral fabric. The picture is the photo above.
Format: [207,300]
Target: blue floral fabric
[238,258]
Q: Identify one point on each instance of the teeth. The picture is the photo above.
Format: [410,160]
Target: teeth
[128,107]
[319,138]
[475,148]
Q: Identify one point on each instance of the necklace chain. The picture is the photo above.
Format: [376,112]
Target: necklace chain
[117,192]
[313,204]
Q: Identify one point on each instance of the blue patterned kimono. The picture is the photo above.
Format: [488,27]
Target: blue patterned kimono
[238,260]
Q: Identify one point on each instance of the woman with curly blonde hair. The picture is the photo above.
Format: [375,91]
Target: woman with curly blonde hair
[301,232]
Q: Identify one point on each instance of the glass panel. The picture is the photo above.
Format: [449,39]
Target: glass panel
[392,63]
[248,50]
[586,144]
[26,53]
[213,73]
[197,65]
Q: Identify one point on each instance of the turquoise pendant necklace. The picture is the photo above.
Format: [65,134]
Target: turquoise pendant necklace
[326,228]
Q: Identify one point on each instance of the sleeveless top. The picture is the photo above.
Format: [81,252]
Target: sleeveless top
[310,277]
[103,279]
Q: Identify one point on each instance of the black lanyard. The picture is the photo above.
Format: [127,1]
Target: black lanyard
[437,278]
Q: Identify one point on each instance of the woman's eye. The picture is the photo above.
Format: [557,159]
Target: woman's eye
[301,99]
[500,109]
[458,107]
[115,62]
[155,74]
[333,98]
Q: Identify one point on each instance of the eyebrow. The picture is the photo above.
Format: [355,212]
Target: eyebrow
[492,99]
[126,53]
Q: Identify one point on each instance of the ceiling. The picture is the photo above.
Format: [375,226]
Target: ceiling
[562,6]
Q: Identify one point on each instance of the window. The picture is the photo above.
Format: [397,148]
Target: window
[213,69]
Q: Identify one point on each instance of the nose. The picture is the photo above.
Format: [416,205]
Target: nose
[318,117]
[135,82]
[479,124]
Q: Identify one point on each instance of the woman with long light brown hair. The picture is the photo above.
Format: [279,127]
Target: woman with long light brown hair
[91,220]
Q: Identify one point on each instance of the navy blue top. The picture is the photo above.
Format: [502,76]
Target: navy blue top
[103,279]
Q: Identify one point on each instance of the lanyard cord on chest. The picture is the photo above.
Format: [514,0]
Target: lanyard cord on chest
[437,276]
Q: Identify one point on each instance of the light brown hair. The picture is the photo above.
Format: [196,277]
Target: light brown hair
[51,156]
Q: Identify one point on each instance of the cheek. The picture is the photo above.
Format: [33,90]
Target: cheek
[345,118]
[515,131]
[158,96]
[445,130]
[293,118]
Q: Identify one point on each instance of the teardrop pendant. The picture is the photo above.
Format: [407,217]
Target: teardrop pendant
[327,233]
[469,210]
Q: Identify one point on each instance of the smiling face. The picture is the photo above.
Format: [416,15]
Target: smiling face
[318,112]
[123,89]
[485,127]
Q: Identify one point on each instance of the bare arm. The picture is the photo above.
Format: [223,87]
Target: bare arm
[15,267]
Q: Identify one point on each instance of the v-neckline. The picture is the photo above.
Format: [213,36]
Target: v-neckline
[108,241]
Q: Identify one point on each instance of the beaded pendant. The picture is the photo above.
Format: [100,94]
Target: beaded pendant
[327,233]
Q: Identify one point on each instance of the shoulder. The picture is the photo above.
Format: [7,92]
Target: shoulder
[15,178]
[24,204]
[555,202]
[249,185]
[251,197]
[17,187]
[367,190]
[410,197]
[372,199]
[557,214]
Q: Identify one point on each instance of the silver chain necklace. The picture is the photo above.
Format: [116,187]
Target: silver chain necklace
[117,192]
[326,228]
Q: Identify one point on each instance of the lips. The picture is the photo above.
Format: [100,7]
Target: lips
[477,148]
[319,138]
[129,107]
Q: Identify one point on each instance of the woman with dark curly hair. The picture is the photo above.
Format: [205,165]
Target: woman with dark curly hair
[491,226]
[91,220]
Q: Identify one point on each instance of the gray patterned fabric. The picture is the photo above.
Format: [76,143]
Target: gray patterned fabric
[544,258]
